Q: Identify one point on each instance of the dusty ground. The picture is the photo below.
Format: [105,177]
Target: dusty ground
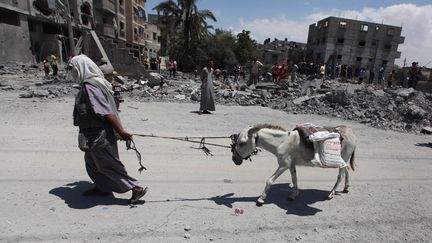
[42,178]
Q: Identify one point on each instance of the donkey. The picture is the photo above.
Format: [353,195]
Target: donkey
[290,150]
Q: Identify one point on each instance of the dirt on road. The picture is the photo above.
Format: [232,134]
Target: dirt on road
[193,197]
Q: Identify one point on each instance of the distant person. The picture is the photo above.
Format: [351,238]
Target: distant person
[413,75]
[46,67]
[171,68]
[391,78]
[322,70]
[371,76]
[256,66]
[53,62]
[362,75]
[174,68]
[237,70]
[350,72]
[159,62]
[381,76]
[283,73]
[275,73]
[146,63]
[100,127]
[217,73]
[207,102]
[294,71]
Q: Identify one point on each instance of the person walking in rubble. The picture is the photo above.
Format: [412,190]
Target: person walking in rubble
[207,103]
[100,127]
[237,70]
[171,68]
[322,70]
[275,73]
[256,65]
[53,62]
[46,67]
[283,73]
[414,75]
[294,71]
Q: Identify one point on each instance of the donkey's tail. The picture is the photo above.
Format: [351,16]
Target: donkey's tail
[352,161]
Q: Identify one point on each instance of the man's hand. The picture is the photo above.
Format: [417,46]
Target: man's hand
[125,135]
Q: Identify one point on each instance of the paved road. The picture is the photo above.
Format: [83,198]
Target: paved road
[43,175]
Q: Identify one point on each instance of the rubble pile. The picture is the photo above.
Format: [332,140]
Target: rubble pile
[398,109]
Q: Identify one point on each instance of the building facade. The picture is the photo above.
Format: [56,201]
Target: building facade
[32,29]
[354,43]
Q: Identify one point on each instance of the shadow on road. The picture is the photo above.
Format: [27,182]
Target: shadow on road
[428,145]
[278,195]
[72,195]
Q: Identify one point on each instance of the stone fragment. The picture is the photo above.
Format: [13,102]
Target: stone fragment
[27,94]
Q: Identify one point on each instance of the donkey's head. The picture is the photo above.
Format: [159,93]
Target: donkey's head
[243,145]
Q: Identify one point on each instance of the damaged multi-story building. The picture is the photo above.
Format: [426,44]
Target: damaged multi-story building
[32,29]
[280,51]
[354,43]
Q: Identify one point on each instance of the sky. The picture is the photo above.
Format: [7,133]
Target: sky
[291,19]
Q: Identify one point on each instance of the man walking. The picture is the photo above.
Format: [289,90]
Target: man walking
[256,65]
[207,103]
[53,62]
[99,125]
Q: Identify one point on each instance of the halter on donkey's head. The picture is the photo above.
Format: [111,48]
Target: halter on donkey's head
[237,157]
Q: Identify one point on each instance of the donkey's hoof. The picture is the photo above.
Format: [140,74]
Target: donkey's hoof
[346,190]
[330,196]
[259,202]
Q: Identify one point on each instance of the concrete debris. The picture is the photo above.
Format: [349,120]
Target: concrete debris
[399,109]
[27,94]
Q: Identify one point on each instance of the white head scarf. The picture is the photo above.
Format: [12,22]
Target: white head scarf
[83,68]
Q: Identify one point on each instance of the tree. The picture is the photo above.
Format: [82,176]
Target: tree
[183,26]
[221,48]
[245,48]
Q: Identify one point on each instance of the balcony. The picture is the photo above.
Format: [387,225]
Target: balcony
[106,5]
[138,39]
[106,30]
[139,20]
[122,10]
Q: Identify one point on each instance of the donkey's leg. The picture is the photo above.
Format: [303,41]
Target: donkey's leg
[346,188]
[269,183]
[294,195]
[339,178]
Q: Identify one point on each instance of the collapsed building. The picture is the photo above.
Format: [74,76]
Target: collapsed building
[354,43]
[32,29]
[281,51]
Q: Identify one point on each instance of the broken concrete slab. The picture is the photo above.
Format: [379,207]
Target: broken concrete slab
[306,98]
[27,94]
[155,79]
[405,93]
[8,87]
[41,93]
